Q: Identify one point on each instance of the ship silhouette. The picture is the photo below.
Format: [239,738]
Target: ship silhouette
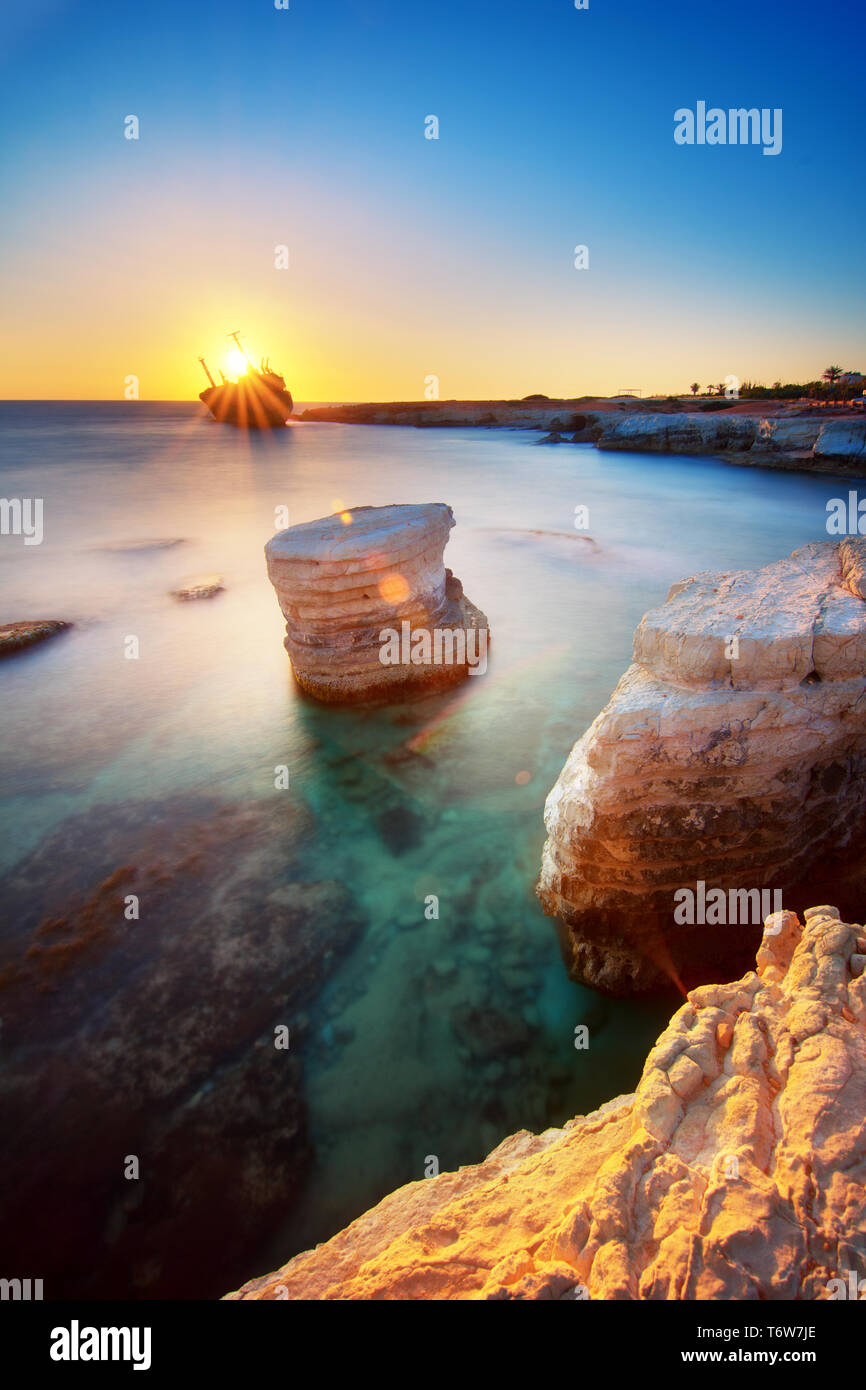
[258,400]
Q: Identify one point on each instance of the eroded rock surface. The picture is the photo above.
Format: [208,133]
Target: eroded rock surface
[737,1169]
[346,579]
[15,637]
[732,753]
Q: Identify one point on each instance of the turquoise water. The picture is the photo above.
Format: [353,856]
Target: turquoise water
[430,1038]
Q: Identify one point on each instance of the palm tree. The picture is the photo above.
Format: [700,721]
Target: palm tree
[832,375]
[720,388]
[695,387]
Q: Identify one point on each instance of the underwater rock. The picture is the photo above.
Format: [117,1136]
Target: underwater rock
[736,1170]
[489,1033]
[14,637]
[141,995]
[371,611]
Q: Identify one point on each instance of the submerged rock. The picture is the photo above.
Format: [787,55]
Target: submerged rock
[730,760]
[737,1169]
[371,611]
[14,637]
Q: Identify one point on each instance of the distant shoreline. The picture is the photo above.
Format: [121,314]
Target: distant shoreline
[766,434]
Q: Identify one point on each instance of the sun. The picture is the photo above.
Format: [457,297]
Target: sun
[236,363]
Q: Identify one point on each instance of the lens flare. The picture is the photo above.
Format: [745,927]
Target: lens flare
[394,589]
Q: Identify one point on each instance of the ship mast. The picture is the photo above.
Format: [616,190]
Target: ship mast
[240,347]
[207,373]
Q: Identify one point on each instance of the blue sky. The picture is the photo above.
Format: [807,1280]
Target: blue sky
[556,128]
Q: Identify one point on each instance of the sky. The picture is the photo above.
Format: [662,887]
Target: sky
[413,258]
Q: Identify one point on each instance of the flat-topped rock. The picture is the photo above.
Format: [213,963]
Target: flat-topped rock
[797,618]
[732,753]
[371,611]
[356,535]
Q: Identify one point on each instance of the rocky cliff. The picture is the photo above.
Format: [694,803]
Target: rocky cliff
[820,443]
[371,611]
[729,767]
[737,1169]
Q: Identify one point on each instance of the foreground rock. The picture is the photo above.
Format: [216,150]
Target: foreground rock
[737,1170]
[14,637]
[731,759]
[371,611]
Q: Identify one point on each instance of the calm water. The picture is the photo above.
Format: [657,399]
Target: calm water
[428,1037]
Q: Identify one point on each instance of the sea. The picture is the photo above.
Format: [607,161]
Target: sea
[388,856]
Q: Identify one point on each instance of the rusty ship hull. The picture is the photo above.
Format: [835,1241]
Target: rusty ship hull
[248,404]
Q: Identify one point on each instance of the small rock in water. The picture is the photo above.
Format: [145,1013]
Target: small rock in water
[202,586]
[14,637]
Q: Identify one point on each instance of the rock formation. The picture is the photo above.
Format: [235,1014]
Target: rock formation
[14,637]
[730,759]
[737,1169]
[371,611]
[825,445]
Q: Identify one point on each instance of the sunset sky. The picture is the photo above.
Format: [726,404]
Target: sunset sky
[411,257]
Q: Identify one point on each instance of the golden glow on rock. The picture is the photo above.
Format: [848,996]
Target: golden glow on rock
[394,588]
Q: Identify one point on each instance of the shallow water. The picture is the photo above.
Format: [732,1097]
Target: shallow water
[441,797]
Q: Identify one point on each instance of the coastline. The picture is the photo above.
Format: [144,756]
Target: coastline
[757,434]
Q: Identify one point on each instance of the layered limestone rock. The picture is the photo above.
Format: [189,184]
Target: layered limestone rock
[371,611]
[737,1169]
[729,762]
[814,442]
